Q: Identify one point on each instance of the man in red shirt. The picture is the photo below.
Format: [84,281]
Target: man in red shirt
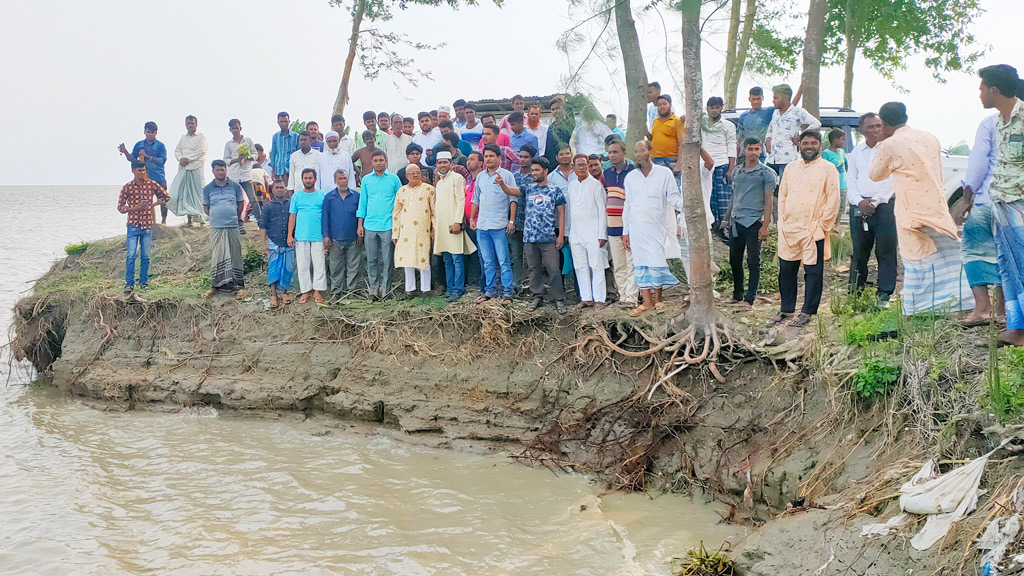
[136,201]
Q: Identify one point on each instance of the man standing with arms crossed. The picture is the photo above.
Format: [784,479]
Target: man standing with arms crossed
[186,190]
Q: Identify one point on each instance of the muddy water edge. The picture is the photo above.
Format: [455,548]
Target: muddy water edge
[88,488]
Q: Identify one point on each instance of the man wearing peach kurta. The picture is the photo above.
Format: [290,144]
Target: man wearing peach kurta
[808,206]
[933,276]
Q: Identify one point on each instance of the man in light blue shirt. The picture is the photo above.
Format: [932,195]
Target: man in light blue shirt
[494,219]
[520,135]
[755,121]
[974,211]
[375,213]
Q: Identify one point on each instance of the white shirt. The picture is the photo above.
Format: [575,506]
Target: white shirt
[542,137]
[652,113]
[394,149]
[586,218]
[194,148]
[239,171]
[783,128]
[589,139]
[858,185]
[427,142]
[649,216]
[297,163]
[329,163]
[347,144]
[720,141]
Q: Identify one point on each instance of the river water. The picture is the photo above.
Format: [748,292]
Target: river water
[83,491]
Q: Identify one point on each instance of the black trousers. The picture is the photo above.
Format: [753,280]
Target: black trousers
[745,240]
[813,282]
[880,235]
[544,269]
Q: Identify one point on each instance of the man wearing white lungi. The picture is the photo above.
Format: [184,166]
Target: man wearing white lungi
[587,228]
[649,226]
[186,189]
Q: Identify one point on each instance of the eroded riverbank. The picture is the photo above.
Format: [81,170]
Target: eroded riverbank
[784,438]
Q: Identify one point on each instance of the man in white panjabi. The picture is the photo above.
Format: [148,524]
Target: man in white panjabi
[587,228]
[649,226]
[332,159]
[186,190]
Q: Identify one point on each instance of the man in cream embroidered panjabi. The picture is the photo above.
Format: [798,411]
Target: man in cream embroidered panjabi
[186,190]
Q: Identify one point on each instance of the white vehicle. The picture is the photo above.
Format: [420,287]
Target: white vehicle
[954,168]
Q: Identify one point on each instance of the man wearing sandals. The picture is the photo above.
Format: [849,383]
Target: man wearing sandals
[649,226]
[280,256]
[808,206]
[223,201]
[494,219]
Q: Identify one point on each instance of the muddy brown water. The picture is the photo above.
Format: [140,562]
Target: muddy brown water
[84,491]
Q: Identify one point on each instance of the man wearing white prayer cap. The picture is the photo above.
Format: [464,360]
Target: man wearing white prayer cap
[333,159]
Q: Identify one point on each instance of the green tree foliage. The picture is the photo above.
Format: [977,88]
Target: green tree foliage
[379,49]
[889,32]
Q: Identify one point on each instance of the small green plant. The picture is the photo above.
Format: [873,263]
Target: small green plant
[297,126]
[76,249]
[1005,379]
[769,282]
[254,260]
[700,562]
[875,375]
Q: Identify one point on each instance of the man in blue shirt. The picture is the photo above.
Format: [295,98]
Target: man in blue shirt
[340,238]
[282,146]
[754,122]
[494,219]
[375,216]
[154,154]
[520,136]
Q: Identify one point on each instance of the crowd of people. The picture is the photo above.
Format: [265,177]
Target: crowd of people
[524,207]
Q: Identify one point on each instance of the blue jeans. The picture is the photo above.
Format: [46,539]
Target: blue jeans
[139,243]
[669,163]
[454,274]
[478,268]
[494,250]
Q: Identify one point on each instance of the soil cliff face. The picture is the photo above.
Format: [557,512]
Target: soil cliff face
[535,384]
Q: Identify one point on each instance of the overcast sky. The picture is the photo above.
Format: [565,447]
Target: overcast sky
[82,77]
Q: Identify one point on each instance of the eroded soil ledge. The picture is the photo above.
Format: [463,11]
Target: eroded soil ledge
[776,443]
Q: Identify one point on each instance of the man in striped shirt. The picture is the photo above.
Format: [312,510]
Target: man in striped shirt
[622,260]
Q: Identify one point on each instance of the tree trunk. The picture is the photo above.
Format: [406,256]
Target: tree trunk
[731,90]
[702,297]
[358,11]
[852,44]
[636,74]
[813,45]
[731,46]
[851,56]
